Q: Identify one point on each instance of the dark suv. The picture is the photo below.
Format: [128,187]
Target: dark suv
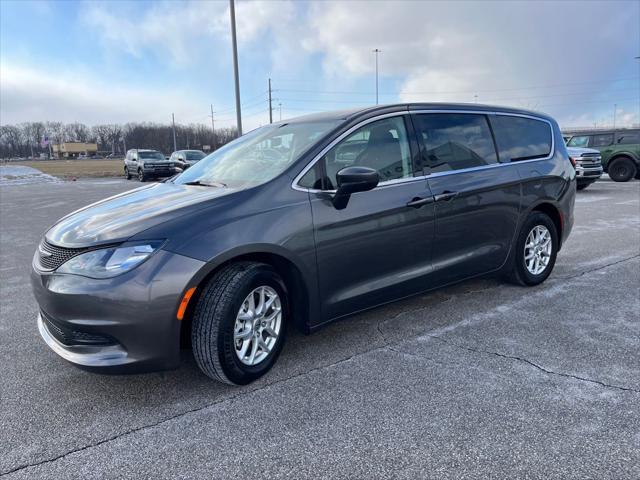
[300,223]
[620,150]
[146,164]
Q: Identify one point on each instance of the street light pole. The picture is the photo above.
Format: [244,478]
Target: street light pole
[270,108]
[213,130]
[232,12]
[173,122]
[377,51]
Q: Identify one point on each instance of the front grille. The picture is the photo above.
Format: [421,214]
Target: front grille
[70,336]
[51,256]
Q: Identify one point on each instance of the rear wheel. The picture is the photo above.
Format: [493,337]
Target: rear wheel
[127,174]
[535,250]
[239,323]
[622,169]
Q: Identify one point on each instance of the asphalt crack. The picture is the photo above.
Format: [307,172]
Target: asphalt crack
[533,364]
[180,415]
[386,345]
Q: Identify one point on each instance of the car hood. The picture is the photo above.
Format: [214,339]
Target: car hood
[117,218]
[578,151]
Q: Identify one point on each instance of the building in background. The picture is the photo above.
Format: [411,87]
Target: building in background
[74,149]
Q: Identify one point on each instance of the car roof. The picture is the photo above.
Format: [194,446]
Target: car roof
[389,108]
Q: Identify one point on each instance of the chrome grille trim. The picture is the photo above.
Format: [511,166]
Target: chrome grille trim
[51,256]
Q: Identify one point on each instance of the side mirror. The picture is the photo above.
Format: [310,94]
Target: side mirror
[351,180]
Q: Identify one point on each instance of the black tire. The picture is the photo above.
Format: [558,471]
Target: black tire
[127,175]
[622,169]
[212,332]
[141,175]
[637,177]
[519,273]
[583,186]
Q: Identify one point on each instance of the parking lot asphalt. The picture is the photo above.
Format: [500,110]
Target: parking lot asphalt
[479,380]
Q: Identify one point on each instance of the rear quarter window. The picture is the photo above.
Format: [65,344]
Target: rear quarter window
[628,139]
[521,138]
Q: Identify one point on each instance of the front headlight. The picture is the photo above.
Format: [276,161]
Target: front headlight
[109,262]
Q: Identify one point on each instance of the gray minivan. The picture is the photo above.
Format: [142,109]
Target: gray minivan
[301,223]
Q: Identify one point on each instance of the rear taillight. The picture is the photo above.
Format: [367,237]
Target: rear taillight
[573,161]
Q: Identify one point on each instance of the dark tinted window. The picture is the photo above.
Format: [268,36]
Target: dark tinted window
[195,155]
[602,140]
[628,138]
[382,145]
[151,155]
[456,140]
[521,138]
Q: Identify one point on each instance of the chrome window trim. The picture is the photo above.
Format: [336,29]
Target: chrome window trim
[311,164]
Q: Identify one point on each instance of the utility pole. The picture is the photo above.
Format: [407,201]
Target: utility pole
[232,13]
[270,107]
[377,51]
[615,108]
[173,122]
[280,108]
[213,129]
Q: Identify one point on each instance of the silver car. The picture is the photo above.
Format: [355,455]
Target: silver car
[187,158]
[588,165]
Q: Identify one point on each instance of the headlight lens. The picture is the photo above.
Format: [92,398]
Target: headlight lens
[109,262]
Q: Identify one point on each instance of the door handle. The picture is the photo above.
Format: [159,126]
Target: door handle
[445,196]
[417,202]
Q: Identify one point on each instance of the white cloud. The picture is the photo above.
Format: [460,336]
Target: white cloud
[501,51]
[30,94]
[184,32]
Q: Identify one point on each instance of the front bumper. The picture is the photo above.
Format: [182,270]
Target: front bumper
[161,171]
[122,324]
[588,172]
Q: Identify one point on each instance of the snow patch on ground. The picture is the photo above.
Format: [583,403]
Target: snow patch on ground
[21,175]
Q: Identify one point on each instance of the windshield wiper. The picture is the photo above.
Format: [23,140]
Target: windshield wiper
[206,184]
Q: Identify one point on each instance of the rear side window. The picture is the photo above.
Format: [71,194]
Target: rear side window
[521,138]
[602,140]
[628,138]
[454,141]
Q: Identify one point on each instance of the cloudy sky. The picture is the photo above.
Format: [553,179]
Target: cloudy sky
[118,61]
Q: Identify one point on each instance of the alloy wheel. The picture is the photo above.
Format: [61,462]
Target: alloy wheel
[537,249]
[257,325]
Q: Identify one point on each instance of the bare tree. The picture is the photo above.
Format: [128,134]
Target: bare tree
[24,139]
[78,132]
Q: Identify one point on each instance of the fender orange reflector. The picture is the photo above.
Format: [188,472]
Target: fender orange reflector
[184,303]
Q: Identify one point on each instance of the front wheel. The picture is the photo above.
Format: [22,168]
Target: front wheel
[239,323]
[141,175]
[622,169]
[535,250]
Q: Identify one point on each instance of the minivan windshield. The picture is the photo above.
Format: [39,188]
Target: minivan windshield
[256,157]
